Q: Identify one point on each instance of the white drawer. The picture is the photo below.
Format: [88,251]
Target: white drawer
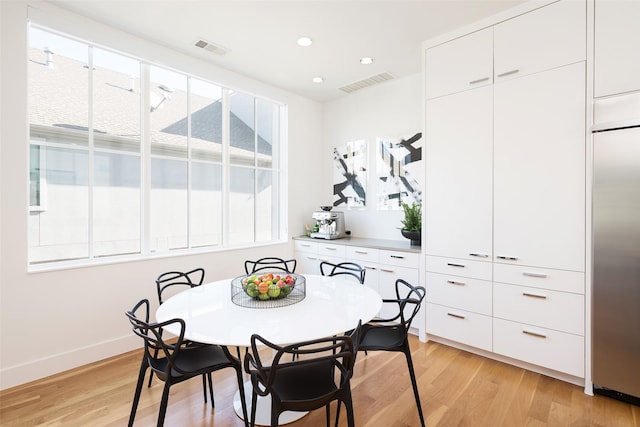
[459,267]
[331,250]
[306,246]
[359,254]
[555,350]
[561,311]
[399,258]
[559,280]
[464,293]
[458,325]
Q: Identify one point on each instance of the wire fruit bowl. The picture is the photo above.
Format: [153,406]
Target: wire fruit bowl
[268,289]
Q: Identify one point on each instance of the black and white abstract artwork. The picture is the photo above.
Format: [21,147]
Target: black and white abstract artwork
[350,174]
[400,173]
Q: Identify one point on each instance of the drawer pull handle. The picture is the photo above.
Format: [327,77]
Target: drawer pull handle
[454,265]
[386,270]
[473,82]
[508,73]
[531,274]
[508,258]
[305,245]
[453,282]
[396,256]
[480,255]
[529,294]
[457,316]
[331,249]
[362,252]
[535,334]
[369,267]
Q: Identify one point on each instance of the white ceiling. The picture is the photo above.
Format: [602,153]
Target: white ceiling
[261,35]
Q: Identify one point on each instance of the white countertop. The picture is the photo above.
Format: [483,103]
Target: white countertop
[392,245]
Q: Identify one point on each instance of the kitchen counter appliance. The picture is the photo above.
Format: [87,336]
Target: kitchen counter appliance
[329,225]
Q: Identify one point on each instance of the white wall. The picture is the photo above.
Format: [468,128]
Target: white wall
[53,321]
[391,109]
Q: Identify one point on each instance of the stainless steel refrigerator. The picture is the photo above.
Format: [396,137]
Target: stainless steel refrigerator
[616,248]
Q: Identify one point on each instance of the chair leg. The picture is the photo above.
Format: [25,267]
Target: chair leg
[213,403]
[163,404]
[328,414]
[243,400]
[348,403]
[204,387]
[338,412]
[412,374]
[150,379]
[136,396]
[254,403]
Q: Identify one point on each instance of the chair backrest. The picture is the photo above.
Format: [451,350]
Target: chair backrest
[155,347]
[337,352]
[343,269]
[170,281]
[408,300]
[270,263]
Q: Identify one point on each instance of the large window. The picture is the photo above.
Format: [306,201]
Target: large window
[128,158]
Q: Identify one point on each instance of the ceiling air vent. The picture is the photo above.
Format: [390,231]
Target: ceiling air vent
[211,47]
[369,81]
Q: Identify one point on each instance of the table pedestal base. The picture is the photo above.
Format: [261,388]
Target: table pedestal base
[263,409]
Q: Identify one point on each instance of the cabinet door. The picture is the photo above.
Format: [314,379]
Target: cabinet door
[307,263]
[460,64]
[458,203]
[539,169]
[306,257]
[542,39]
[617,43]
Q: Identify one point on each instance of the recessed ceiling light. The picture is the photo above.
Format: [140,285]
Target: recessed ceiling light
[305,41]
[317,79]
[366,60]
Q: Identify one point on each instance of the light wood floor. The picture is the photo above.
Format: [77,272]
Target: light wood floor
[457,389]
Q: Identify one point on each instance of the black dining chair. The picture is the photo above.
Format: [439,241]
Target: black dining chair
[391,334]
[176,362]
[270,263]
[320,375]
[171,281]
[168,284]
[343,269]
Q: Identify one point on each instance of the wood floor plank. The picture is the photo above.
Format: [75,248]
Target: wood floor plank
[457,388]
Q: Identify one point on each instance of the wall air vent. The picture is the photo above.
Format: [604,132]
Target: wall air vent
[369,81]
[211,47]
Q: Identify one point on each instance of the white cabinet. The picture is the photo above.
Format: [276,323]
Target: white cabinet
[459,175]
[539,40]
[383,267]
[505,184]
[459,300]
[307,257]
[368,259]
[616,45]
[462,64]
[539,169]
[553,349]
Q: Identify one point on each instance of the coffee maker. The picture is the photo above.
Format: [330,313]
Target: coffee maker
[329,225]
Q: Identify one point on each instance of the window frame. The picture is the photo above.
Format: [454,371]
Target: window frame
[278,225]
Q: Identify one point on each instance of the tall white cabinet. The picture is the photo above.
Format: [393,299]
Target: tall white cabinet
[505,188]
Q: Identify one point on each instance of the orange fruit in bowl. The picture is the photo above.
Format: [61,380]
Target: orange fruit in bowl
[263,287]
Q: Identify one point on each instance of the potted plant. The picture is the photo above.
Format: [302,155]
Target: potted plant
[412,222]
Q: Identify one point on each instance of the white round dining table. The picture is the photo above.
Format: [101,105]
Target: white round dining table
[332,305]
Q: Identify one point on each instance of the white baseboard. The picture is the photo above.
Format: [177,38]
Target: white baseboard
[54,364]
